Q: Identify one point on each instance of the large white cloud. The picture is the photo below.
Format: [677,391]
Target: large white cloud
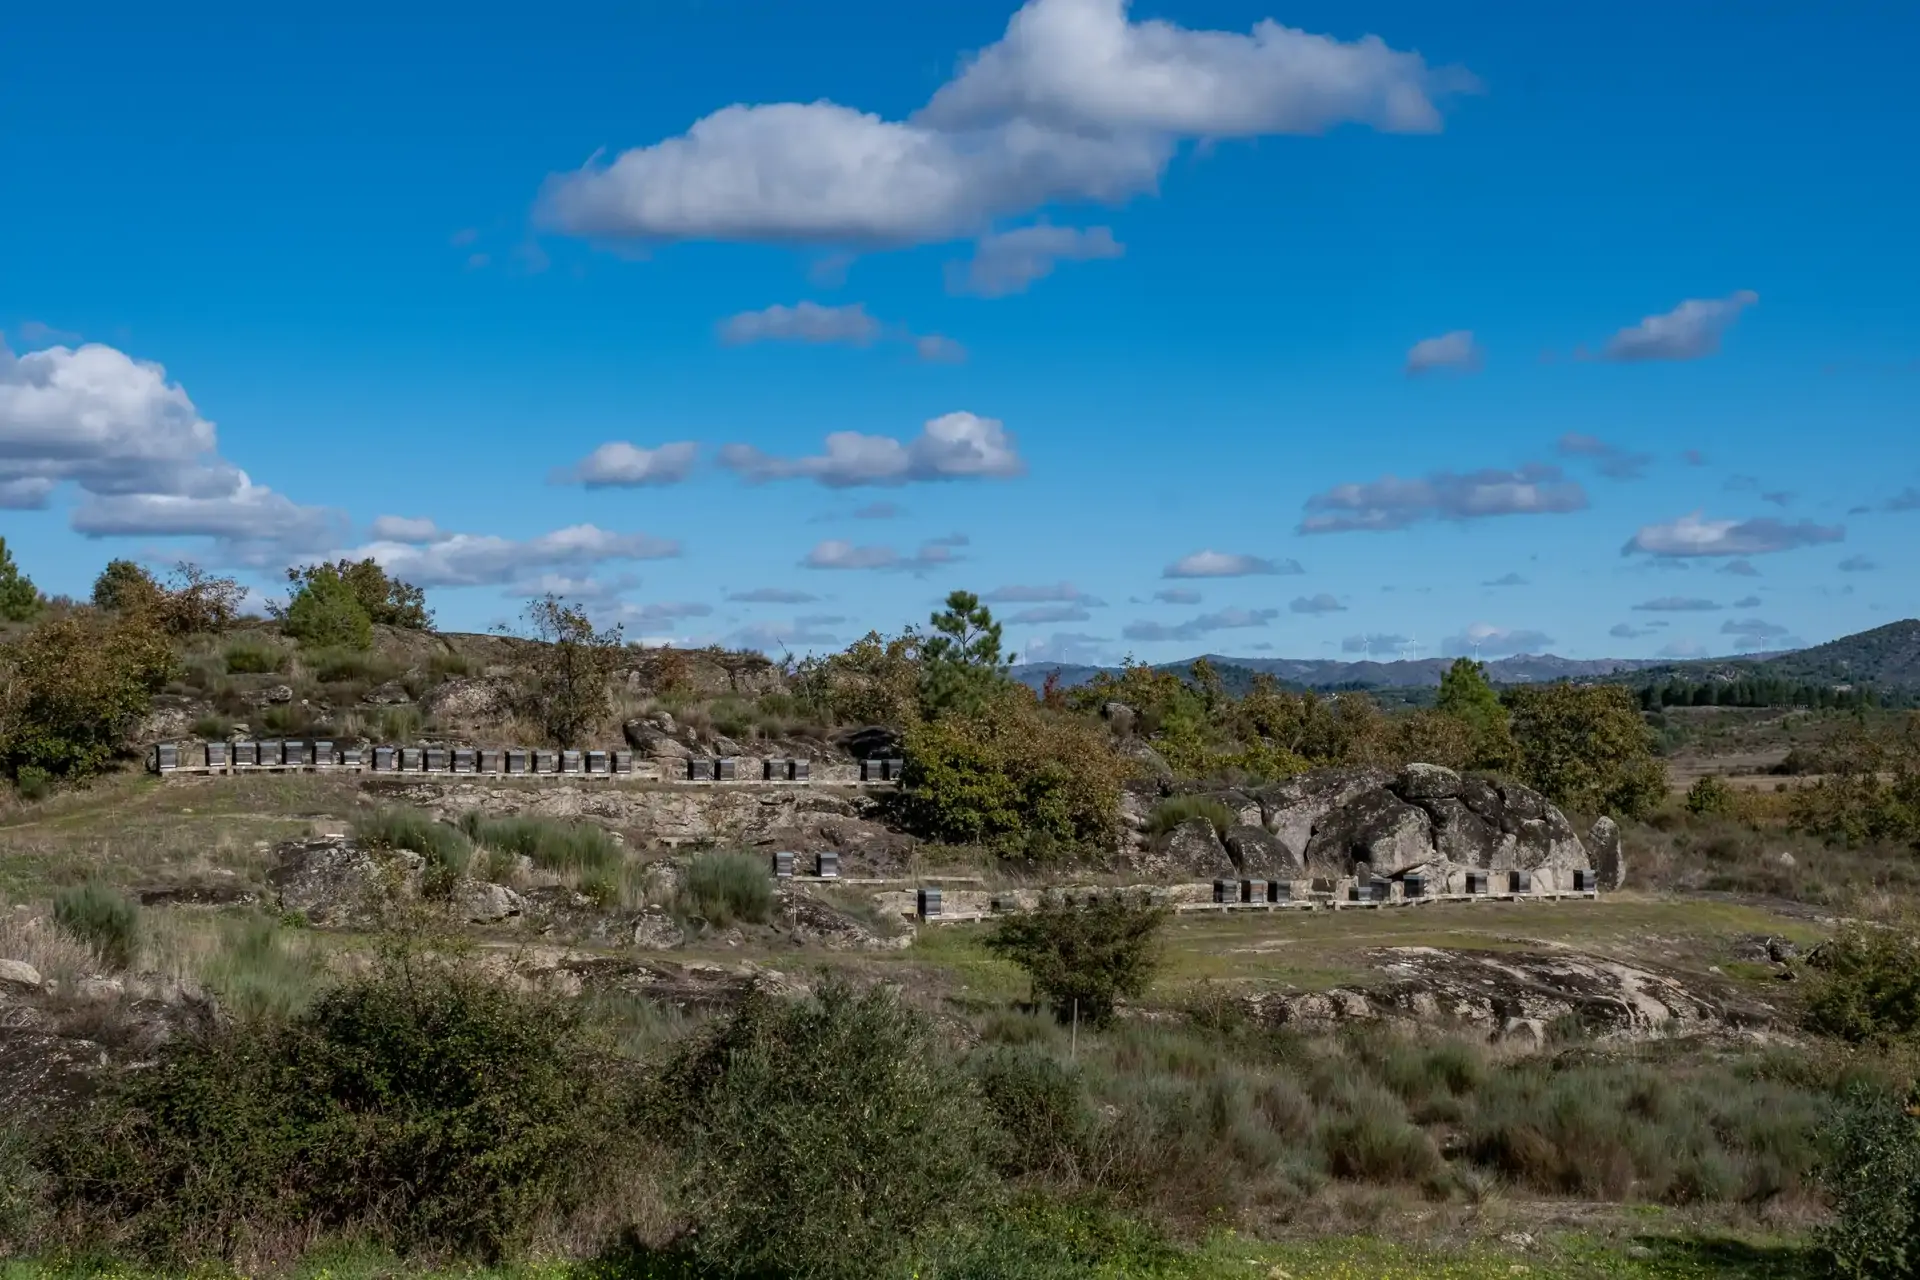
[1455,350]
[955,446]
[1693,535]
[134,443]
[1393,503]
[468,560]
[1688,332]
[1074,103]
[1484,640]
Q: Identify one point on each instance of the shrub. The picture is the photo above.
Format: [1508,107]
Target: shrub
[126,587]
[1867,988]
[325,613]
[213,728]
[450,663]
[568,675]
[1586,747]
[261,971]
[447,849]
[33,783]
[1173,811]
[418,1108]
[74,687]
[254,657]
[820,1137]
[20,600]
[1711,797]
[1873,1176]
[1041,1107]
[1083,958]
[20,1187]
[1019,778]
[724,887]
[337,666]
[383,599]
[102,918]
[578,847]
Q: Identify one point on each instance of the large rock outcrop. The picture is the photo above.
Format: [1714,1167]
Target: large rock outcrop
[1425,818]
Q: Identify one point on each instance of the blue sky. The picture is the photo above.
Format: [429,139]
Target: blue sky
[1178,327]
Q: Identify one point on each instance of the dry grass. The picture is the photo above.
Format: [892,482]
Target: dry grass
[31,937]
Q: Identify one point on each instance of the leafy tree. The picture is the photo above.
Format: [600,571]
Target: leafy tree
[74,687]
[126,587]
[960,661]
[19,599]
[1711,797]
[385,600]
[1083,958]
[200,603]
[324,612]
[1468,697]
[1585,747]
[823,1137]
[1870,789]
[568,678]
[1874,1181]
[874,680]
[1866,988]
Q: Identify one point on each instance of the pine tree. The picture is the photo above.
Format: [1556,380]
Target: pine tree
[961,662]
[19,598]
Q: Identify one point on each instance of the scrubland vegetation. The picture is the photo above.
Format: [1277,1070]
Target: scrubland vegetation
[1037,1098]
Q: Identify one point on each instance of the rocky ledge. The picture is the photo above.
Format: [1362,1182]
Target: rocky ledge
[1330,822]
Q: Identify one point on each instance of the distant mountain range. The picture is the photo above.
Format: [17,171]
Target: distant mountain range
[1887,657]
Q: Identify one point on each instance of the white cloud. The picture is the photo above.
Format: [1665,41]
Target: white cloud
[1691,535]
[835,553]
[1456,350]
[1324,602]
[653,615]
[1080,65]
[136,445]
[780,637]
[1609,459]
[1194,628]
[1009,261]
[1677,604]
[1047,593]
[1753,633]
[1074,103]
[1043,614]
[1377,643]
[1739,569]
[1627,631]
[802,322]
[954,446]
[578,590]
[1688,332]
[1177,595]
[466,560]
[772,595]
[935,349]
[404,529]
[1485,640]
[1747,602]
[1393,503]
[1225,564]
[618,464]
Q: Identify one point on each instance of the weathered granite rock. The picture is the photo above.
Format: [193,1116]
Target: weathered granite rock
[1256,851]
[390,694]
[1426,782]
[334,881]
[655,930]
[1194,847]
[468,699]
[1376,827]
[478,902]
[1609,861]
[1120,718]
[19,974]
[1291,809]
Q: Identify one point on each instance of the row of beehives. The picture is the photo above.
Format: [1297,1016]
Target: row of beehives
[931,903]
[239,757]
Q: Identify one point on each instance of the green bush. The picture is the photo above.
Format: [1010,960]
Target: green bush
[254,657]
[418,1109]
[820,1137]
[1587,747]
[33,783]
[101,917]
[261,970]
[1041,1106]
[382,599]
[1873,1177]
[337,666]
[447,849]
[1866,987]
[1174,810]
[20,1188]
[554,845]
[74,687]
[212,728]
[722,888]
[324,613]
[1083,958]
[1711,797]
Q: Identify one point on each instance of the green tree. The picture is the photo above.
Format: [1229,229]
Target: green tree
[324,612]
[1586,747]
[1873,1178]
[1084,958]
[20,600]
[126,587]
[961,664]
[198,603]
[1467,696]
[386,600]
[822,1137]
[1710,797]
[73,688]
[567,676]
